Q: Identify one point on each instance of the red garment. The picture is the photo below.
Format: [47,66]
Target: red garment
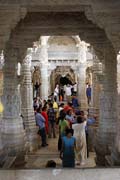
[66,108]
[44,114]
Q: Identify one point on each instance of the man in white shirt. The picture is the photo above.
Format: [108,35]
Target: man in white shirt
[56,92]
[75,88]
[68,92]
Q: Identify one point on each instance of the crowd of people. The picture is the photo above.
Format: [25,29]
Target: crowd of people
[67,122]
[65,92]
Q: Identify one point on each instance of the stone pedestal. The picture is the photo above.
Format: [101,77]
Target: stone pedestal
[27,106]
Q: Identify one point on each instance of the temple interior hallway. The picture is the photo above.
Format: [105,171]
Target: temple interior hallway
[39,158]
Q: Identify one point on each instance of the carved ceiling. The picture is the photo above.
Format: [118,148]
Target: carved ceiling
[22,22]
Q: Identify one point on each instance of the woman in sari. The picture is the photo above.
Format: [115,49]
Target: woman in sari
[79,134]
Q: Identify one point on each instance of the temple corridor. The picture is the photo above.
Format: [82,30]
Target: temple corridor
[59,51]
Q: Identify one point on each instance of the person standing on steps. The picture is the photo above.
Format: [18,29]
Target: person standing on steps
[67,153]
[63,125]
[51,121]
[75,88]
[40,122]
[88,94]
[56,93]
[44,114]
[79,134]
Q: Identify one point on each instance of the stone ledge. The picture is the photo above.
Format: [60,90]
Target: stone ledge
[82,174]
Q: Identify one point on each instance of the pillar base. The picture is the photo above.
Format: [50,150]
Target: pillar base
[19,161]
[100,160]
[2,158]
[13,135]
[30,129]
[101,152]
[113,159]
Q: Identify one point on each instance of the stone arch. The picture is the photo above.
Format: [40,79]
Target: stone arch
[26,33]
[75,38]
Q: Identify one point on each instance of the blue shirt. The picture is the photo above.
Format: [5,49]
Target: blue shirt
[75,102]
[40,120]
[68,145]
[90,121]
[88,91]
[70,118]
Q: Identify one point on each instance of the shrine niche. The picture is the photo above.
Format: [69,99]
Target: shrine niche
[36,81]
[61,72]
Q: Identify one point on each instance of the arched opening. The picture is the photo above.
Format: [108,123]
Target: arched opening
[28,30]
[65,80]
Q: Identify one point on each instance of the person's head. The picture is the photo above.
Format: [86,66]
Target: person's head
[69,132]
[77,112]
[40,106]
[51,105]
[82,113]
[44,101]
[44,108]
[74,95]
[79,119]
[62,105]
[38,110]
[70,104]
[62,114]
[49,101]
[51,164]
[57,86]
[34,99]
[69,112]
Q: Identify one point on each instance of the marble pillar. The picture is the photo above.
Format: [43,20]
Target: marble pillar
[96,70]
[82,49]
[44,68]
[27,106]
[13,134]
[108,114]
[2,155]
[114,159]
[82,86]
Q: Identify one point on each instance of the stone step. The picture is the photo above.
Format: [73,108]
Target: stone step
[9,162]
[31,158]
[43,156]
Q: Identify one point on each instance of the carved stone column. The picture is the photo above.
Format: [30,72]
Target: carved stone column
[82,85]
[27,105]
[96,71]
[82,75]
[44,68]
[108,115]
[2,154]
[115,154]
[13,135]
